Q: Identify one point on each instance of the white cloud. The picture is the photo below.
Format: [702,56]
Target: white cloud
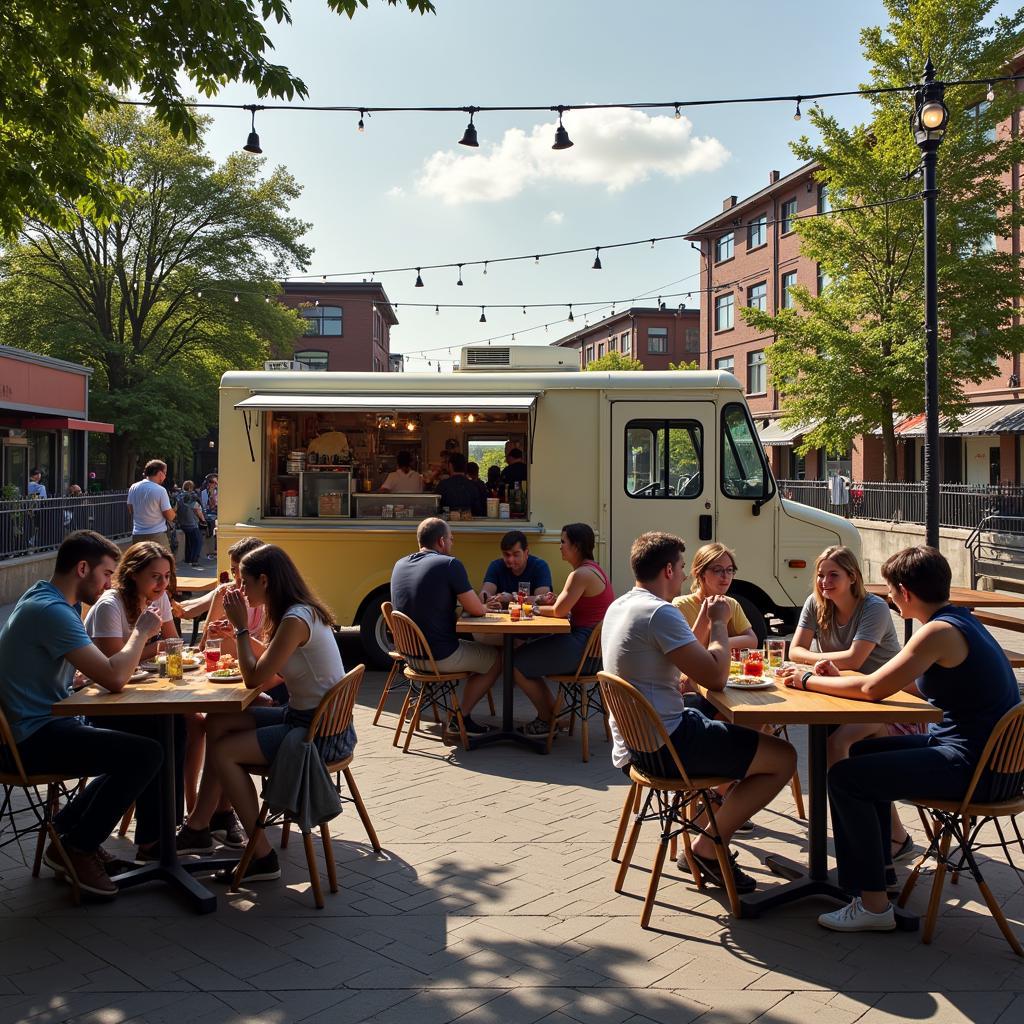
[613,148]
[555,217]
[395,191]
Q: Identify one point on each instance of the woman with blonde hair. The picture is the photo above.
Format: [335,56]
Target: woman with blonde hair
[713,569]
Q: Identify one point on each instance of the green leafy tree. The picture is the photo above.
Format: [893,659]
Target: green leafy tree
[852,359]
[684,365]
[165,297]
[614,361]
[61,59]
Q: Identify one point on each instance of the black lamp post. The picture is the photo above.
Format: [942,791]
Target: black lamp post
[928,123]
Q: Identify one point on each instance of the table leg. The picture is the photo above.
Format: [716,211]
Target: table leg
[169,868]
[508,732]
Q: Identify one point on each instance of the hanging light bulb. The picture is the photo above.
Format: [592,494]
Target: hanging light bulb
[199,294]
[513,335]
[266,298]
[483,315]
[597,259]
[536,260]
[471,418]
[316,302]
[485,268]
[236,298]
[459,282]
[796,114]
[410,426]
[458,416]
[419,279]
[360,127]
[252,144]
[437,309]
[524,311]
[678,115]
[991,94]
[562,140]
[652,242]
[469,135]
[323,278]
[571,317]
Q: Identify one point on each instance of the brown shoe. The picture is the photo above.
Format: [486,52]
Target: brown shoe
[88,868]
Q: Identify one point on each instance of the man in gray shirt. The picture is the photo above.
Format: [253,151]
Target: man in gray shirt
[647,642]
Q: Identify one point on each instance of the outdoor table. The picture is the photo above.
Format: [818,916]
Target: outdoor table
[166,698]
[962,597]
[783,706]
[500,623]
[196,585]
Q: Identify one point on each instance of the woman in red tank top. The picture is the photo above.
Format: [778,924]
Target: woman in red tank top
[584,600]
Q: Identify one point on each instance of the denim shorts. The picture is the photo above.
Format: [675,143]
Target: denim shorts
[706,749]
[273,724]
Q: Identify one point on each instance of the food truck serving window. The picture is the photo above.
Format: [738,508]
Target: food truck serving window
[664,459]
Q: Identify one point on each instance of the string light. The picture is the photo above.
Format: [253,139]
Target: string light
[483,315]
[597,259]
[991,94]
[469,135]
[419,279]
[459,282]
[678,114]
[796,114]
[252,144]
[360,127]
[562,140]
[571,317]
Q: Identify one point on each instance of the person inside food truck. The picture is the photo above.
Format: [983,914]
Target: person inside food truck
[404,479]
[458,491]
[515,472]
[516,566]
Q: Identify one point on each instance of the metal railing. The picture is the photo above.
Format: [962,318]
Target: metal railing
[960,505]
[32,525]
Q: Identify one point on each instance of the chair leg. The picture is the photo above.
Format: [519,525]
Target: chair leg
[620,832]
[584,724]
[314,871]
[286,831]
[45,827]
[126,822]
[361,811]
[634,834]
[798,795]
[332,869]
[461,722]
[401,716]
[76,892]
[553,724]
[936,895]
[414,724]
[997,912]
[652,885]
[490,703]
[250,849]
[395,666]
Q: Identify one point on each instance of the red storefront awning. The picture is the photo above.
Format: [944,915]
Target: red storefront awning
[66,423]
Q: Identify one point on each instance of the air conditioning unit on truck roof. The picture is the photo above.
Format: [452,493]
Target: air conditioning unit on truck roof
[517,357]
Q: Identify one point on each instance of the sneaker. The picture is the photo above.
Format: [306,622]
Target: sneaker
[709,868]
[538,727]
[684,865]
[747,826]
[112,864]
[227,829]
[88,868]
[193,840]
[854,917]
[261,869]
[472,728]
[903,851]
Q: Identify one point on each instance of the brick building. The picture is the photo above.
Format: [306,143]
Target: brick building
[348,325]
[656,336]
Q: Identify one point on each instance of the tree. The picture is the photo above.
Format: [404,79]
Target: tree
[851,359]
[614,361]
[61,59]
[168,295]
[683,364]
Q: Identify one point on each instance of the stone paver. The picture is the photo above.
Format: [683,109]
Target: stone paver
[493,902]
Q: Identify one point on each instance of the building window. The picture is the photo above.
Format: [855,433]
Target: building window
[823,279]
[657,341]
[976,113]
[724,312]
[613,342]
[600,349]
[824,203]
[786,299]
[322,321]
[663,459]
[691,339]
[726,363]
[757,232]
[723,248]
[788,215]
[757,296]
[757,373]
[313,358]
[590,354]
[625,342]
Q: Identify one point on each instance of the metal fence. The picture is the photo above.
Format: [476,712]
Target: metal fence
[31,525]
[960,505]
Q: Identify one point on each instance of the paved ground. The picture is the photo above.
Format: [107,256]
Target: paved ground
[493,903]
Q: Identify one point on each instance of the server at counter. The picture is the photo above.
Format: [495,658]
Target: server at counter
[458,492]
[404,480]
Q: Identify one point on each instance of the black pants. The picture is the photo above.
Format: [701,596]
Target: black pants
[862,788]
[193,544]
[120,765]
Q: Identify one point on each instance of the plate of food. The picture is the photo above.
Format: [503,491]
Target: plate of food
[225,675]
[138,675]
[149,666]
[750,683]
[191,664]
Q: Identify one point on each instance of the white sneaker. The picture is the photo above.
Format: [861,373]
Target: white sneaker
[854,917]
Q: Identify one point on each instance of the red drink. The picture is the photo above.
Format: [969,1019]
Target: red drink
[753,666]
[212,657]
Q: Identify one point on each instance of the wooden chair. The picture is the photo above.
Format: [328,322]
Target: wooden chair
[580,694]
[961,821]
[679,802]
[333,716]
[43,808]
[431,685]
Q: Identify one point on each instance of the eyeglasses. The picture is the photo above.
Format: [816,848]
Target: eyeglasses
[722,570]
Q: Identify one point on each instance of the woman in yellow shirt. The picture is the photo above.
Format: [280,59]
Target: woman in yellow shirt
[714,566]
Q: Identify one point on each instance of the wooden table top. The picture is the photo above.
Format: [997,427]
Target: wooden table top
[964,597]
[499,622]
[196,584]
[783,706]
[156,696]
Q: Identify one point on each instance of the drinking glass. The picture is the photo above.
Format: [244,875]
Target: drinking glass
[175,670]
[775,653]
[212,654]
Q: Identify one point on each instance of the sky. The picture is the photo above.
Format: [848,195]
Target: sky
[404,193]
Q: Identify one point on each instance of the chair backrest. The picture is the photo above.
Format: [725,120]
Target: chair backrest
[1003,758]
[639,725]
[9,750]
[591,654]
[334,712]
[410,641]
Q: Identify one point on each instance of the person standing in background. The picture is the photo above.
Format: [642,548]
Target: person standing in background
[150,505]
[190,518]
[36,489]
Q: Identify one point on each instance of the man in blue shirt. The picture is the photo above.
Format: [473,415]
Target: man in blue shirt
[41,645]
[427,586]
[516,565]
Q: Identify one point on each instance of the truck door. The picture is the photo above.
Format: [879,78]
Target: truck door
[663,476]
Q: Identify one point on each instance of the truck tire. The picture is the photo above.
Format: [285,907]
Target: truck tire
[756,616]
[373,634]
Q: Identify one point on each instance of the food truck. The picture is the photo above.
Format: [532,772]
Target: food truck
[303,456]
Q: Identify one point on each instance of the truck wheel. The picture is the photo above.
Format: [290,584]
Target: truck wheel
[373,633]
[756,616]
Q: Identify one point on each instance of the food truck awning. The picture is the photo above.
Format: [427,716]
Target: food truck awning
[399,403]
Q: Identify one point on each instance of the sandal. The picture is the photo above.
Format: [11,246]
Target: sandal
[903,851]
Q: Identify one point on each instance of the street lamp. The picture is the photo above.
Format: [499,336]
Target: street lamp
[928,123]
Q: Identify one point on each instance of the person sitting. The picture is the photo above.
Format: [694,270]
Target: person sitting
[960,668]
[515,471]
[41,645]
[583,600]
[427,586]
[404,479]
[473,473]
[458,491]
[713,569]
[855,630]
[516,567]
[647,642]
[302,648]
